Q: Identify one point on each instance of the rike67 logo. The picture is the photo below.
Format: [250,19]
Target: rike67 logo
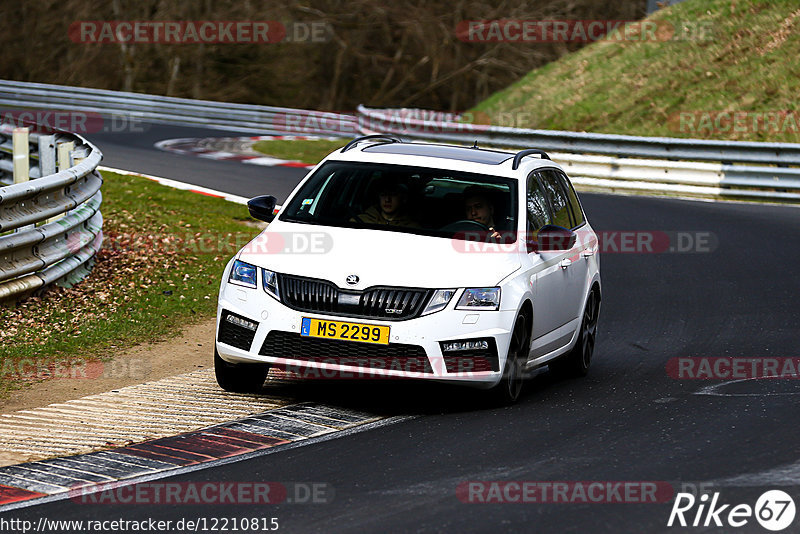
[774,510]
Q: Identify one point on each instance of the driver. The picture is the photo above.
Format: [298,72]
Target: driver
[391,207]
[479,208]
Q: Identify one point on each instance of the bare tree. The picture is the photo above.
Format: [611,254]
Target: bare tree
[402,53]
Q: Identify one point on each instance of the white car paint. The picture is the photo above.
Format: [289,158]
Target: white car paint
[554,284]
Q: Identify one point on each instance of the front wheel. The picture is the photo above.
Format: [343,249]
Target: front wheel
[508,390]
[576,362]
[239,377]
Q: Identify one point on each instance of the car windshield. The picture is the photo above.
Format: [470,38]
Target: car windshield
[396,198]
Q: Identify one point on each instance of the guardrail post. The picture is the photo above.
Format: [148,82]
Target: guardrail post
[47,160]
[65,161]
[21,149]
[65,155]
[47,154]
[21,154]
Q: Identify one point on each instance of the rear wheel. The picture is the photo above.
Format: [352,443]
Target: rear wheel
[508,390]
[577,361]
[239,377]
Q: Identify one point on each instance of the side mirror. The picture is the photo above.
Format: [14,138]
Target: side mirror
[262,208]
[555,238]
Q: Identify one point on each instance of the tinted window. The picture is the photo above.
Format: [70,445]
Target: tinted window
[537,208]
[558,199]
[572,197]
[398,198]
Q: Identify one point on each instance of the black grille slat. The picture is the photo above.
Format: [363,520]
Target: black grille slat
[291,346]
[414,300]
[321,296]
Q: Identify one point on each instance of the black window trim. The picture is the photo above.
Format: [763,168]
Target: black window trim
[568,182]
[544,195]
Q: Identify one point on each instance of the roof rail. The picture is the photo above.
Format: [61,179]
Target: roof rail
[386,137]
[527,152]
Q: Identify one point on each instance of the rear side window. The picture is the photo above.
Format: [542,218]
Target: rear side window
[575,206]
[536,206]
[562,215]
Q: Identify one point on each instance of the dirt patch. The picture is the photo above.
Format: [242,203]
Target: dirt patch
[784,31]
[191,350]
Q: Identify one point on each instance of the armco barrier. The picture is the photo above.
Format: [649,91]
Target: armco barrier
[621,162]
[171,110]
[687,167]
[50,226]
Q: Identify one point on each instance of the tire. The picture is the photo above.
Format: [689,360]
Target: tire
[576,362]
[508,390]
[239,377]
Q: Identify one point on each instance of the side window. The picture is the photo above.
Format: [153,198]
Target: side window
[558,200]
[536,206]
[572,197]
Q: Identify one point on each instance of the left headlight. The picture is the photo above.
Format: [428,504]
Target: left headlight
[270,283]
[243,273]
[480,298]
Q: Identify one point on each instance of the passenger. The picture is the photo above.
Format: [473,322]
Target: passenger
[391,207]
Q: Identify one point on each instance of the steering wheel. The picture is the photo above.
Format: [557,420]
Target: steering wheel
[465,225]
[353,215]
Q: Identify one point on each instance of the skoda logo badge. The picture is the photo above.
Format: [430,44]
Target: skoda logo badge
[352,279]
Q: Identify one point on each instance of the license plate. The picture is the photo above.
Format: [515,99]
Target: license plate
[364,333]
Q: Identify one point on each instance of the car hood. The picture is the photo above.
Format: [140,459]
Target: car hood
[378,257]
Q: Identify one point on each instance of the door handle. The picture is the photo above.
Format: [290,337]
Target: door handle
[588,253]
[566,262]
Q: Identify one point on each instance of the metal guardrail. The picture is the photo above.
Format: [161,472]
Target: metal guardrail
[387,121]
[694,167]
[617,162]
[51,226]
[171,110]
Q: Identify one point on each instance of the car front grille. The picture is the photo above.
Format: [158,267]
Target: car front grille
[321,296]
[395,356]
[234,334]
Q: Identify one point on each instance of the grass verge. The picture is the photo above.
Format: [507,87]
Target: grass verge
[308,151]
[724,69]
[163,254]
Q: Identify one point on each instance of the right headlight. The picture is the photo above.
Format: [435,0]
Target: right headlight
[270,281]
[439,300]
[480,299]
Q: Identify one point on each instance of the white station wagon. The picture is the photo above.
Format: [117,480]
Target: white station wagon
[415,260]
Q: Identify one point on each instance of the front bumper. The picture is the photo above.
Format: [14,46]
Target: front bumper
[414,349]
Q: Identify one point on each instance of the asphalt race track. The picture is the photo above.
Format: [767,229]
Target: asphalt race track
[629,420]
[134,151]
